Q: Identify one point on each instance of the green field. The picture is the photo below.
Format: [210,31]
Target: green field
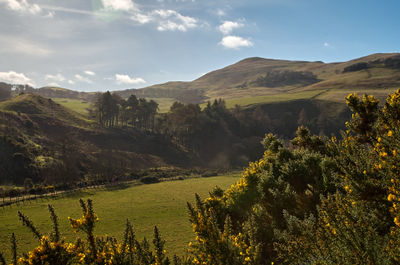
[78,105]
[339,95]
[164,104]
[246,101]
[162,204]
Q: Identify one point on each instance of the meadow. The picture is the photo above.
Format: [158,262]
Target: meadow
[78,105]
[281,97]
[162,204]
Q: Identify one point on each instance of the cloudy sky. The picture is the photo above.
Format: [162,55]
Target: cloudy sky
[92,45]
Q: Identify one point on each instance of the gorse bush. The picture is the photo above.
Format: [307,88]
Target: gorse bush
[319,201]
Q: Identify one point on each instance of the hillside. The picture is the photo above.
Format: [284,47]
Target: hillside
[43,140]
[259,77]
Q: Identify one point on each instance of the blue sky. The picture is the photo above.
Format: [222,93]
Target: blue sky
[98,45]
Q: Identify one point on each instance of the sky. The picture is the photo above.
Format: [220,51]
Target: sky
[99,45]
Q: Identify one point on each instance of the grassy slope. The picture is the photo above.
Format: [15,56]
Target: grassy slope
[42,107]
[78,105]
[245,101]
[162,204]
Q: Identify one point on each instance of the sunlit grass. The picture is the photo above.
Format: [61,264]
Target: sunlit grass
[78,105]
[162,204]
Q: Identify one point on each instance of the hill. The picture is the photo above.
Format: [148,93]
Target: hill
[58,92]
[44,140]
[258,80]
[259,77]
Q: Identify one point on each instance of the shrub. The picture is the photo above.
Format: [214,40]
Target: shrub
[149,180]
[356,67]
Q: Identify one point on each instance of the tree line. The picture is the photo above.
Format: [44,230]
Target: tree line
[111,110]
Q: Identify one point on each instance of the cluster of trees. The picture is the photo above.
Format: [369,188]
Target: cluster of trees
[111,111]
[215,134]
[356,67]
[286,78]
[231,137]
[318,201]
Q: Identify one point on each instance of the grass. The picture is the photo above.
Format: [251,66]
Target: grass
[77,105]
[162,204]
[339,95]
[246,101]
[164,104]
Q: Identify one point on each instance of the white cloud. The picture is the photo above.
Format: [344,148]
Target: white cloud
[142,18]
[89,72]
[326,44]
[126,79]
[71,82]
[22,6]
[167,20]
[83,79]
[15,78]
[118,5]
[228,26]
[172,20]
[57,77]
[169,25]
[235,42]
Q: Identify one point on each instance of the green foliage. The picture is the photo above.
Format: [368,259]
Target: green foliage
[323,202]
[111,109]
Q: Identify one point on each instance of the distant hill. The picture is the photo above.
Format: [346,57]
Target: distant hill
[259,77]
[58,92]
[258,80]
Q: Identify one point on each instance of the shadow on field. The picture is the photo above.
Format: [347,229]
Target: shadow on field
[76,194]
[119,186]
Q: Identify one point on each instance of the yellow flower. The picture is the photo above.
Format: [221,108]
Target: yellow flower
[390,133]
[81,257]
[391,197]
[397,221]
